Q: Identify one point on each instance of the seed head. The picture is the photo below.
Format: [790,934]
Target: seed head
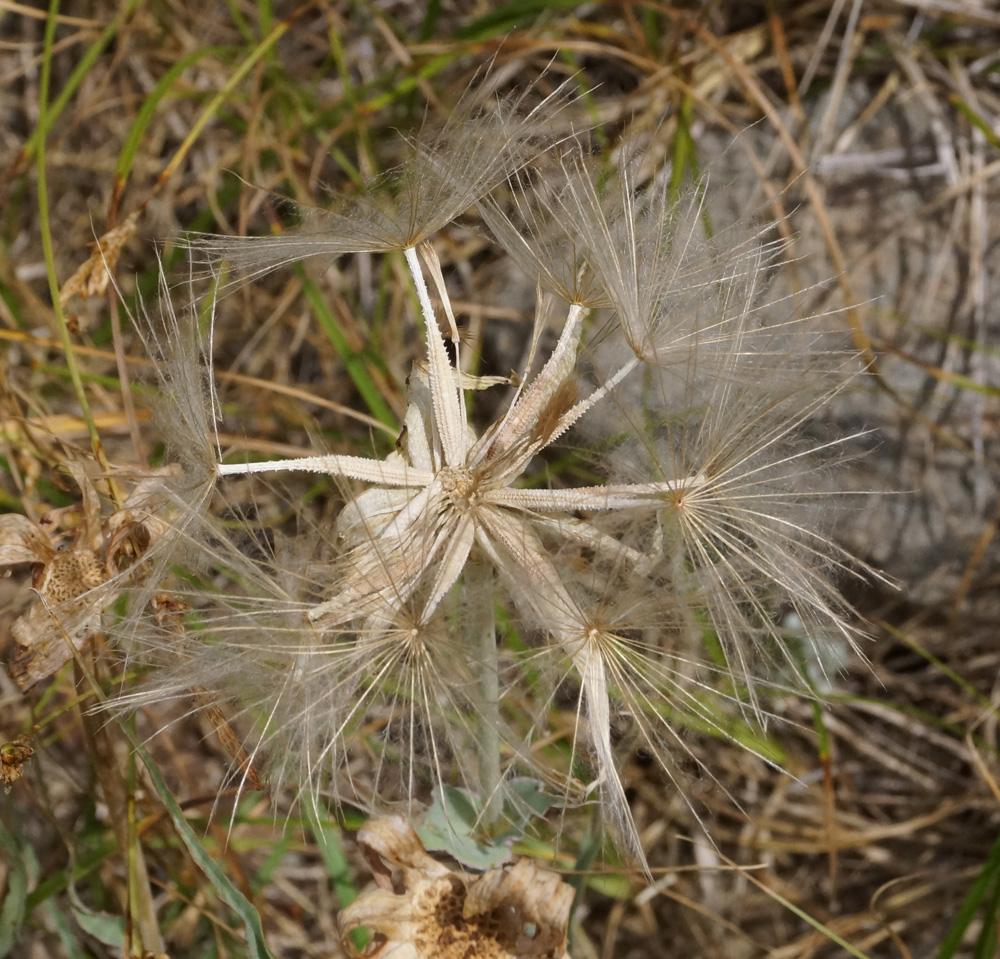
[374,646]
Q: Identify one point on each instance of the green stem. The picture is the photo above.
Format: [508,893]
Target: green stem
[482,634]
[50,261]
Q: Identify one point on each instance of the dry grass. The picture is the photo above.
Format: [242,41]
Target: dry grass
[870,127]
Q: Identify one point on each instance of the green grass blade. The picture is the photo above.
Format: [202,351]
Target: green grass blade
[801,913]
[75,79]
[220,881]
[685,152]
[165,84]
[409,83]
[940,665]
[429,23]
[823,744]
[265,20]
[988,875]
[819,927]
[81,866]
[975,119]
[66,933]
[356,368]
[217,101]
[986,944]
[331,849]
[108,930]
[509,16]
[45,227]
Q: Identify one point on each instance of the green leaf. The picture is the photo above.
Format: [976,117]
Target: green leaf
[430,20]
[67,934]
[449,825]
[104,928]
[327,837]
[331,849]
[530,796]
[986,944]
[685,151]
[63,878]
[77,77]
[975,119]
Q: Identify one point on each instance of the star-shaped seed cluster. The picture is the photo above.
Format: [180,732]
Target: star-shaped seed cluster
[465,592]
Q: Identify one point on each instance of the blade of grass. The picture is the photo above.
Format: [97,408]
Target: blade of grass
[77,869]
[223,886]
[989,875]
[220,881]
[265,20]
[331,850]
[220,98]
[429,21]
[46,232]
[943,336]
[943,667]
[823,744]
[140,924]
[795,910]
[66,932]
[509,16]
[975,119]
[106,929]
[412,80]
[135,134]
[986,944]
[685,152]
[958,380]
[80,71]
[353,363]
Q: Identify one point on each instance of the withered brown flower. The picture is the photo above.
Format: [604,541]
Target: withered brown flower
[13,756]
[73,583]
[420,909]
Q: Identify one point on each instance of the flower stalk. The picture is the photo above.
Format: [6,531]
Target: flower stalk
[481,627]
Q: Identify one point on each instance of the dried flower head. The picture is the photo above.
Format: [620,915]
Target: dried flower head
[13,756]
[367,657]
[431,912]
[74,581]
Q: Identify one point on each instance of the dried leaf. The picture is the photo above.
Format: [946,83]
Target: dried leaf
[92,276]
[21,541]
[231,742]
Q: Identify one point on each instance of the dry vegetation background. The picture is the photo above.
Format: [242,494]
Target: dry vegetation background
[872,126]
